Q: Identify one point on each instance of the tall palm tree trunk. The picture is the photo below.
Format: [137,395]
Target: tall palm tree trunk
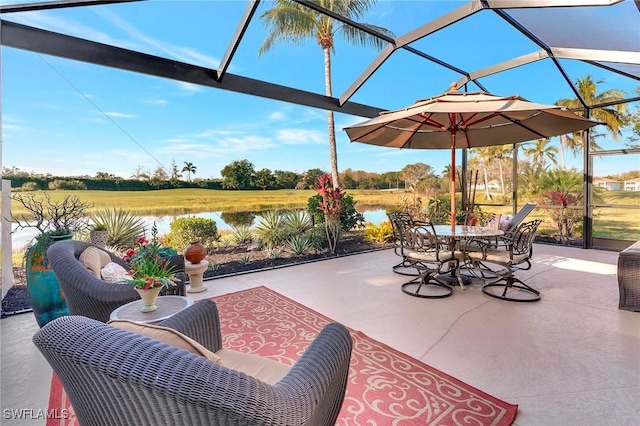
[486,182]
[333,152]
[501,175]
[562,146]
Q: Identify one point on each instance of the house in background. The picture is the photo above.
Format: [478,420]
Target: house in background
[607,184]
[632,184]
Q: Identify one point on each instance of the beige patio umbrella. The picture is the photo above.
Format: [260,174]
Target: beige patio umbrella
[466,120]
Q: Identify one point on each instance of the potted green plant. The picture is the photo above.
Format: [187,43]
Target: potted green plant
[55,221]
[99,235]
[151,270]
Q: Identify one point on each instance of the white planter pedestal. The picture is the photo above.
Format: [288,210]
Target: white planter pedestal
[196,275]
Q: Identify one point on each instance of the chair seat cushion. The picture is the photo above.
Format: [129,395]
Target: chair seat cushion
[167,335]
[264,369]
[429,256]
[498,256]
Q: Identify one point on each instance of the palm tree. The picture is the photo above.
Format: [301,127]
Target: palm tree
[481,159]
[540,151]
[290,21]
[499,152]
[613,116]
[189,168]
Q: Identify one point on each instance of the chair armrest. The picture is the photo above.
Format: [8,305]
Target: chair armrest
[331,350]
[199,322]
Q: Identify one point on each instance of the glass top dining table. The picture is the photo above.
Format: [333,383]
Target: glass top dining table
[464,232]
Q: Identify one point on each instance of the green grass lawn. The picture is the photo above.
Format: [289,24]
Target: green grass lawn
[181,201]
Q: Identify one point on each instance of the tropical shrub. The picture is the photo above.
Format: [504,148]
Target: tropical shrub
[562,191]
[186,230]
[378,233]
[330,205]
[349,216]
[29,186]
[317,237]
[563,212]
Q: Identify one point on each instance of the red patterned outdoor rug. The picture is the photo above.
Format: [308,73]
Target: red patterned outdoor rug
[386,387]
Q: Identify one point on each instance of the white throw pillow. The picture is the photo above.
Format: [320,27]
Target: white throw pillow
[505,222]
[112,272]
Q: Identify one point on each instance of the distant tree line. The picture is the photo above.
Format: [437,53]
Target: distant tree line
[238,175]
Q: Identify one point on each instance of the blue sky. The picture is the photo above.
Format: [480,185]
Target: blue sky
[70,118]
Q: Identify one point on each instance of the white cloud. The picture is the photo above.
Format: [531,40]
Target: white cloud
[300,136]
[349,120]
[47,20]
[231,144]
[161,102]
[190,88]
[278,116]
[181,53]
[214,132]
[114,114]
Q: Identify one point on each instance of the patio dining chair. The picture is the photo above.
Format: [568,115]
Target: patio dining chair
[400,220]
[519,217]
[431,256]
[512,254]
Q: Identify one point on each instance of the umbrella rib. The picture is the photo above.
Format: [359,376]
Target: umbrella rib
[519,123]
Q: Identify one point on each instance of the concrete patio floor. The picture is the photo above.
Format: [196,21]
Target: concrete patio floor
[571,359]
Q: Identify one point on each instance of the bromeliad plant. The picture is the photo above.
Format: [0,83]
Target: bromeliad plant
[149,263]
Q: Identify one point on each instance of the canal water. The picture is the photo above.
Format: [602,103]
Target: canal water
[22,237]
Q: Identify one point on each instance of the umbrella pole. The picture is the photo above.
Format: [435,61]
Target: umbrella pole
[453,181]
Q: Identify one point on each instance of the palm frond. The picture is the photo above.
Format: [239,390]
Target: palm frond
[360,38]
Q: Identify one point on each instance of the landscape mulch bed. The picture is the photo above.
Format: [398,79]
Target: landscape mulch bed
[223,262]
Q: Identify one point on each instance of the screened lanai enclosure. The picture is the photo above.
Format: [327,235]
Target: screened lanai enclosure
[505,47]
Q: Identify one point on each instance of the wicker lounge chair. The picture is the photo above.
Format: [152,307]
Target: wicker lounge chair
[629,278]
[114,377]
[90,296]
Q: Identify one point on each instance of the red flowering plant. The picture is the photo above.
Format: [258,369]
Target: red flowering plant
[564,209]
[330,205]
[149,263]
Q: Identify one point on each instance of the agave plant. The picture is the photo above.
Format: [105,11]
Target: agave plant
[242,234]
[297,221]
[298,245]
[124,228]
[269,229]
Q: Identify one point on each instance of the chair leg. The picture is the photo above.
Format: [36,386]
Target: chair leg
[428,282]
[406,264]
[510,286]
